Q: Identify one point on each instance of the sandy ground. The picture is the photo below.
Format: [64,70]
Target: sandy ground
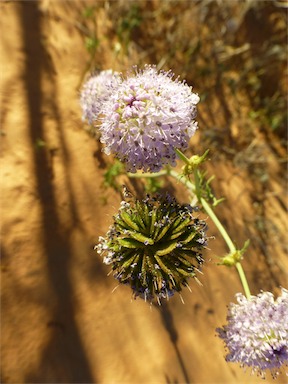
[61,323]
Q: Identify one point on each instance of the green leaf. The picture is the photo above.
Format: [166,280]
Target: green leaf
[190,236]
[130,243]
[140,237]
[180,225]
[176,234]
[166,248]
[130,260]
[153,221]
[91,44]
[162,265]
[127,219]
[88,12]
[185,273]
[162,232]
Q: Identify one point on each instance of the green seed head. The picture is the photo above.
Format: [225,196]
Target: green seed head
[154,245]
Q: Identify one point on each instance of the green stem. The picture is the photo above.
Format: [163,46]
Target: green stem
[218,224]
[182,156]
[147,175]
[194,189]
[243,280]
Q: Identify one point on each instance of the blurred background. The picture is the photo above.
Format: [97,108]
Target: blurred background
[61,322]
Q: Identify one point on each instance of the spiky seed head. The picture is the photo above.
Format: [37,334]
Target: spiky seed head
[154,245]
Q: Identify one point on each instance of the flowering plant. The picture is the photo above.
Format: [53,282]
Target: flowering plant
[257,331]
[145,119]
[154,245]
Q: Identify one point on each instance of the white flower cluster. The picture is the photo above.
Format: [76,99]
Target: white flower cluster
[257,332]
[142,119]
[146,118]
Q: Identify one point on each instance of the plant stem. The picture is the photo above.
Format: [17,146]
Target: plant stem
[193,188]
[147,175]
[243,280]
[207,209]
[218,224]
[182,156]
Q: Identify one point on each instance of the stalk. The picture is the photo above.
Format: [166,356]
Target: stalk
[194,189]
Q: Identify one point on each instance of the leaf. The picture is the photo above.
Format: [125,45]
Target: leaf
[130,260]
[167,248]
[130,243]
[153,221]
[162,232]
[140,237]
[162,265]
[185,273]
[127,219]
[181,225]
[190,236]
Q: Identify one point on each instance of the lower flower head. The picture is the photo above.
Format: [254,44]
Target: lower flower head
[95,91]
[154,245]
[257,332]
[148,116]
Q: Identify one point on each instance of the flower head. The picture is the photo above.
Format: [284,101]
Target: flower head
[95,91]
[257,332]
[147,117]
[154,245]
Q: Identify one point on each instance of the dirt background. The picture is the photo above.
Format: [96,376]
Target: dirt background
[61,323]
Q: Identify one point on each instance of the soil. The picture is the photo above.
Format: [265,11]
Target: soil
[62,320]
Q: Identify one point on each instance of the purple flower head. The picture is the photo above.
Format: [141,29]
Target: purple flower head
[95,91]
[257,332]
[146,118]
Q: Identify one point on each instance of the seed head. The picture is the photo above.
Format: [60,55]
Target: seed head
[154,245]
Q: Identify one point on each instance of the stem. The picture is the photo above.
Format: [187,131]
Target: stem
[243,280]
[183,180]
[207,208]
[147,175]
[194,188]
[218,224]
[182,156]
